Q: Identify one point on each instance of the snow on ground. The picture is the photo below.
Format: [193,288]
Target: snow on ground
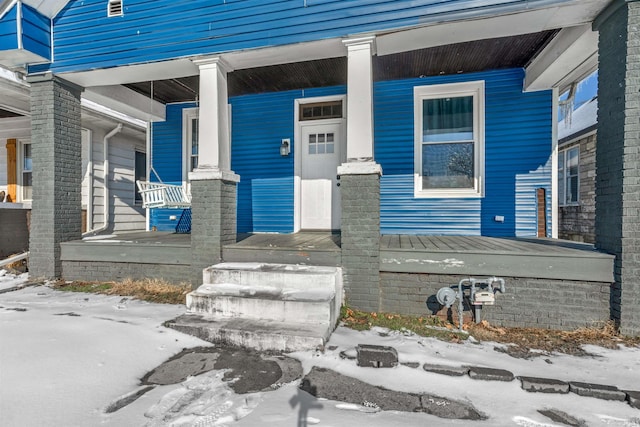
[64,357]
[8,280]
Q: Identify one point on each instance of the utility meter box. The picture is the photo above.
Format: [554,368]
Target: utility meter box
[484,298]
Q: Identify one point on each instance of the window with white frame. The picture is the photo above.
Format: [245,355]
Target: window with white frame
[26,171]
[569,176]
[190,123]
[449,140]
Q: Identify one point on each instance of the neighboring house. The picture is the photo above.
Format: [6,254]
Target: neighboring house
[371,117]
[125,142]
[577,174]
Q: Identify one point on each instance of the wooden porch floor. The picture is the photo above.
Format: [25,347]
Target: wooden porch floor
[491,256]
[459,255]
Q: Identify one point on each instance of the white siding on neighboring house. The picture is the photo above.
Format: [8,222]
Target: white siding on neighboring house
[124,214]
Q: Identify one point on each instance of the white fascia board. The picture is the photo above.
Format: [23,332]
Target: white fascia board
[133,73]
[572,54]
[91,108]
[126,101]
[309,51]
[555,16]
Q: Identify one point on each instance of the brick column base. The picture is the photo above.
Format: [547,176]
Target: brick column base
[213,223]
[57,173]
[361,240]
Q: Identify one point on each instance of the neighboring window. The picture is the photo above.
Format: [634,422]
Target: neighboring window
[191,140]
[569,176]
[140,173]
[26,172]
[449,140]
[321,110]
[114,8]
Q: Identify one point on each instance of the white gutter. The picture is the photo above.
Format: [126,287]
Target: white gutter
[90,188]
[13,259]
[554,164]
[106,197]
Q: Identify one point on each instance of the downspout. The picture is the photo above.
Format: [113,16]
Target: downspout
[105,182]
[90,189]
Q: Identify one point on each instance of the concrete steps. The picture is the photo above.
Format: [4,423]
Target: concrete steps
[261,335]
[279,307]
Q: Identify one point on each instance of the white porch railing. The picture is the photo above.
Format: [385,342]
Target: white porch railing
[158,195]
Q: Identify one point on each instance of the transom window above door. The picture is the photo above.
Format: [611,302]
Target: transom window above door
[321,110]
[321,143]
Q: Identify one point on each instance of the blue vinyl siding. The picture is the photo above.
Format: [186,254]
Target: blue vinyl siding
[35,35]
[161,219]
[166,161]
[517,160]
[9,29]
[85,38]
[36,32]
[265,190]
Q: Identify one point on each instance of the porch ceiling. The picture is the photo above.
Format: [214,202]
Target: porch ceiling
[503,52]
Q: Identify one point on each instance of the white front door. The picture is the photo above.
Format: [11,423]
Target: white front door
[320,195]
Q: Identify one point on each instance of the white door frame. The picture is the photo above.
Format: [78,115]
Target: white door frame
[297,140]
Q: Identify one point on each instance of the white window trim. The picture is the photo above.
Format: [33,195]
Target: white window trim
[562,179]
[475,89]
[20,169]
[188,114]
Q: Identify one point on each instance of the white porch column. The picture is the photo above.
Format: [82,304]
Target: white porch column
[214,156]
[360,99]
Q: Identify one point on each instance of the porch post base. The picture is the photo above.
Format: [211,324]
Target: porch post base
[57,172]
[361,238]
[213,223]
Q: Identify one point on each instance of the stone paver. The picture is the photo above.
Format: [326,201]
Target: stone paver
[490,374]
[544,385]
[599,391]
[633,397]
[562,417]
[452,371]
[377,356]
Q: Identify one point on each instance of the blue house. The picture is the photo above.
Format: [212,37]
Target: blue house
[369,118]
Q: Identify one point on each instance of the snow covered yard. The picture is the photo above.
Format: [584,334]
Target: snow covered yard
[65,357]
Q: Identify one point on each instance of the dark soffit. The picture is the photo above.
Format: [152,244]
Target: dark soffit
[479,55]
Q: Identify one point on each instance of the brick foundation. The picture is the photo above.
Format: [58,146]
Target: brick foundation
[95,271]
[540,303]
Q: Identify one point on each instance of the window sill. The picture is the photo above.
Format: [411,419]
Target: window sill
[12,205]
[447,194]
